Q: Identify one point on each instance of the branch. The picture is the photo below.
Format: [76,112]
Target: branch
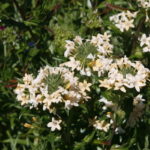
[114,7]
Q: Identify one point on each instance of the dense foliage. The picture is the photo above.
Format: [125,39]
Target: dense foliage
[88,64]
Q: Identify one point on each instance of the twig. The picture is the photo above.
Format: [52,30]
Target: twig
[114,7]
[19,10]
[110,7]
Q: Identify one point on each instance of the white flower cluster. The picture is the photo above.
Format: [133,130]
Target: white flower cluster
[124,20]
[102,42]
[137,110]
[82,54]
[52,85]
[144,3]
[124,74]
[145,43]
[101,124]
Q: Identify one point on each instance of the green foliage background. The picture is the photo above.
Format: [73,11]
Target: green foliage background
[33,34]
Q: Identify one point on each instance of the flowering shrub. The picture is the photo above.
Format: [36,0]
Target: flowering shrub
[96,94]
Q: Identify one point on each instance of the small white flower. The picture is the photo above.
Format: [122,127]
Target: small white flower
[145,43]
[28,78]
[78,40]
[108,104]
[144,40]
[70,45]
[90,56]
[101,125]
[73,64]
[85,71]
[138,99]
[20,89]
[69,104]
[84,86]
[119,130]
[55,124]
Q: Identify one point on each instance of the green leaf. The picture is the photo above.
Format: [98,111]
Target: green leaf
[117,147]
[87,139]
[33,52]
